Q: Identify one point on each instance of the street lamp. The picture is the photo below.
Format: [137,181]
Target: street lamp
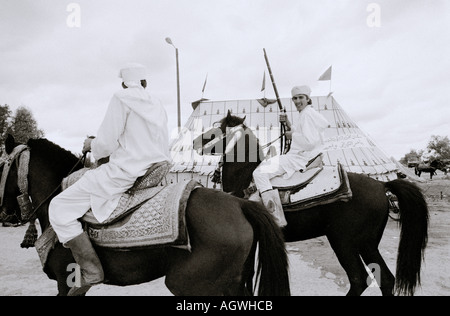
[169,41]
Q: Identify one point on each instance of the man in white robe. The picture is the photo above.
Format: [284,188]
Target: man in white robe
[307,142]
[134,136]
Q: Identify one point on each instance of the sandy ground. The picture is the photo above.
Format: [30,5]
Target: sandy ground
[314,269]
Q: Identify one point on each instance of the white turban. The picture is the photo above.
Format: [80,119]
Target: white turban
[133,72]
[301,90]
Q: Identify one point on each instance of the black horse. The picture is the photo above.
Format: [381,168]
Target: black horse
[354,229]
[431,168]
[224,232]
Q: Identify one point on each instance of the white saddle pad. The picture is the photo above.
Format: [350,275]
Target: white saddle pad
[296,179]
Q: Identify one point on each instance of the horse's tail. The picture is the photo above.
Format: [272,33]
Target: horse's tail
[413,234]
[272,268]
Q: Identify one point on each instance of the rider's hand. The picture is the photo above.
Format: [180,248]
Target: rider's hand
[288,134]
[87,145]
[285,121]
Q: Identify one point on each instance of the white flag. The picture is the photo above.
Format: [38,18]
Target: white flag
[326,75]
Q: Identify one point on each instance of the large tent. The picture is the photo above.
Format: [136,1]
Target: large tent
[344,140]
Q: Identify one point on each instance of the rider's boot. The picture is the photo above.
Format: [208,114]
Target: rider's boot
[90,265]
[271,200]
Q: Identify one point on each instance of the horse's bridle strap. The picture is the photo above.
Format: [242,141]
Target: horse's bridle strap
[22,173]
[7,165]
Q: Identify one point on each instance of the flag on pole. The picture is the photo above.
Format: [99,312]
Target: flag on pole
[264,82]
[326,75]
[204,85]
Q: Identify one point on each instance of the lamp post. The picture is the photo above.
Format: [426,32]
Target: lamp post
[169,41]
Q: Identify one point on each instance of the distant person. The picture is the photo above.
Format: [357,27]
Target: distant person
[134,136]
[307,141]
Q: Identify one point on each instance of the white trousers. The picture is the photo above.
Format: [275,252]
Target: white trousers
[65,210]
[267,170]
[279,165]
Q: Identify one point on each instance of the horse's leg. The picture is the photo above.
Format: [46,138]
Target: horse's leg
[63,289]
[59,265]
[204,272]
[386,282]
[221,239]
[347,254]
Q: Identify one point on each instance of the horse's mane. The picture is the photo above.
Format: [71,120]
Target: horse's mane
[231,121]
[61,160]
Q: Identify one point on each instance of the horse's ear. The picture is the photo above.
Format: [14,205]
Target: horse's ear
[243,119]
[228,114]
[10,143]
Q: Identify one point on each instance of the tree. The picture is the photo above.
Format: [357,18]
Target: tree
[24,126]
[439,146]
[5,121]
[411,157]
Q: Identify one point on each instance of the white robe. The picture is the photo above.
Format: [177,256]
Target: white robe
[134,135]
[307,142]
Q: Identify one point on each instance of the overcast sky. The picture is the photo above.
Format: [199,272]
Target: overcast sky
[390,59]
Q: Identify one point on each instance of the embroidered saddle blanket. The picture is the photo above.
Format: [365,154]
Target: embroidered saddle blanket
[145,216]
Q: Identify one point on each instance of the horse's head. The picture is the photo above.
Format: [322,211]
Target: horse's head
[230,138]
[230,121]
[214,141]
[239,148]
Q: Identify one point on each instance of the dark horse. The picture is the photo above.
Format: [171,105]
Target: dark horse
[430,168]
[224,231]
[354,229]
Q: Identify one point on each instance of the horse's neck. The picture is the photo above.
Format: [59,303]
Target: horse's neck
[236,177]
[43,183]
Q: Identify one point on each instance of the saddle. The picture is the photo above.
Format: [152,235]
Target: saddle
[316,185]
[148,215]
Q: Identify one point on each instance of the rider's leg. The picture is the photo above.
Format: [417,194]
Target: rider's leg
[64,212]
[271,199]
